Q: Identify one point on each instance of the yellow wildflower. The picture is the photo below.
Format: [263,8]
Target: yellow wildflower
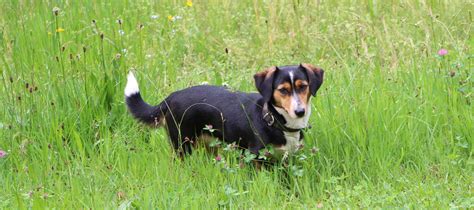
[170,17]
[189,3]
[59,30]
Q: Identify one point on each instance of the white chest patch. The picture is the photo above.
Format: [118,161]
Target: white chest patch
[293,144]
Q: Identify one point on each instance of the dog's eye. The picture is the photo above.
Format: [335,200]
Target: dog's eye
[283,91]
[302,87]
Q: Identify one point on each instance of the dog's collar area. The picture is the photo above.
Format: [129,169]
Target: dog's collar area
[269,118]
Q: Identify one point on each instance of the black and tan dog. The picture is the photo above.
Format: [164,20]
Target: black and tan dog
[275,117]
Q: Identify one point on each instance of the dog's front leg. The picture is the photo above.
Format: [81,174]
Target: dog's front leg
[258,165]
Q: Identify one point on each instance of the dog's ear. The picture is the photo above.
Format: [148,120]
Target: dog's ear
[264,82]
[315,77]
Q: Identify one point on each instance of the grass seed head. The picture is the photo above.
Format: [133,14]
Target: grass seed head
[120,195]
[314,150]
[452,73]
[56,11]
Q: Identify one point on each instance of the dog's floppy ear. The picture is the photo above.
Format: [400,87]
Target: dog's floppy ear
[264,82]
[315,77]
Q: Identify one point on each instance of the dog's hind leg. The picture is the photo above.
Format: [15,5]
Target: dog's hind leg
[181,139]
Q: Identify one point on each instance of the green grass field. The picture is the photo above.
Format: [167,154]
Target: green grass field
[392,125]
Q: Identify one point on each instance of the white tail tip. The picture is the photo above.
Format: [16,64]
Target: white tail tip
[132,85]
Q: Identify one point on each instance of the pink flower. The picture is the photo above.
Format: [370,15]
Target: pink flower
[3,154]
[442,52]
[218,158]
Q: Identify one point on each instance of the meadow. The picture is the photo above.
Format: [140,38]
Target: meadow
[392,125]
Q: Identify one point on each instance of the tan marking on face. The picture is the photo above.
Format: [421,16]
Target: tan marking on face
[283,100]
[300,83]
[315,69]
[266,73]
[305,94]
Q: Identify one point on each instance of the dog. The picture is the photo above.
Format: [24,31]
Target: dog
[275,116]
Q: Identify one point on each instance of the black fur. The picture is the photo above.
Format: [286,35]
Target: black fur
[235,116]
[143,111]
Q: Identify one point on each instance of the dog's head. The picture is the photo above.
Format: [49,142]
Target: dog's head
[289,88]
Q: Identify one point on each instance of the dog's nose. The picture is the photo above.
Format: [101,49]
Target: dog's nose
[299,112]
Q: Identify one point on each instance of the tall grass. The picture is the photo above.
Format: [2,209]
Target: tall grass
[393,123]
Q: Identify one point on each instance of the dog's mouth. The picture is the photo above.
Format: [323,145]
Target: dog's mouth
[288,114]
[292,119]
[296,113]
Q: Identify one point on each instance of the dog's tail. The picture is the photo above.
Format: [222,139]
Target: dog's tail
[140,109]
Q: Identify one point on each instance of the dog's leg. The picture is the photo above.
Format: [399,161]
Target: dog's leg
[181,139]
[258,165]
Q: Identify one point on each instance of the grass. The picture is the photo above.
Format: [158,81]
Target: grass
[393,122]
